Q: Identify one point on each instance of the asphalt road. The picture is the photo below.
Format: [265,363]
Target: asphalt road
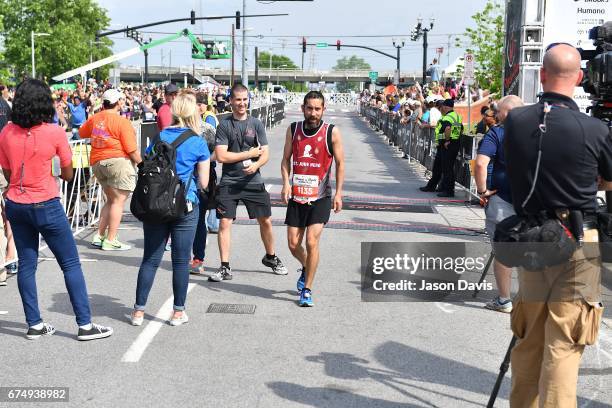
[341,353]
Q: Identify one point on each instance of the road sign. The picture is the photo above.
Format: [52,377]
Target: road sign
[373,76]
[321,45]
[468,67]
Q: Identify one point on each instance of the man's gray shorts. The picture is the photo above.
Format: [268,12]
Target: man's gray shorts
[496,210]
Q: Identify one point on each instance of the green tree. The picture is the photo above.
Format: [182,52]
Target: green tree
[5,71]
[72,25]
[281,62]
[350,63]
[278,61]
[486,42]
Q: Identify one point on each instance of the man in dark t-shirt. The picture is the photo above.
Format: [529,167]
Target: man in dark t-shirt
[242,147]
[560,307]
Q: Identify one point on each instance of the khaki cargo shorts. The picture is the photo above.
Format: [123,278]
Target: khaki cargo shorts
[117,173]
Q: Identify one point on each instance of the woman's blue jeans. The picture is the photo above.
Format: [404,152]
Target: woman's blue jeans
[49,220]
[182,233]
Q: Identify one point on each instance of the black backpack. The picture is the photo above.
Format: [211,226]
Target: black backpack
[160,196]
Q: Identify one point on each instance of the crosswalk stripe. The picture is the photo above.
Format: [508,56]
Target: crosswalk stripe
[145,337]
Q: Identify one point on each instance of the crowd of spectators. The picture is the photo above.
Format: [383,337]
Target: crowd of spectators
[73,107]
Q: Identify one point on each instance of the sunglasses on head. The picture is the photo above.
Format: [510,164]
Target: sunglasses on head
[553,45]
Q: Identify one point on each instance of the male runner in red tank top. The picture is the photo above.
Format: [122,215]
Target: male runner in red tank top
[310,148]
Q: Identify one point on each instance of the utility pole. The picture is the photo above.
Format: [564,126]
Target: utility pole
[448,51]
[245,78]
[233,59]
[256,68]
[417,32]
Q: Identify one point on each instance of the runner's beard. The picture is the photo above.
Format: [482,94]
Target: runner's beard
[312,122]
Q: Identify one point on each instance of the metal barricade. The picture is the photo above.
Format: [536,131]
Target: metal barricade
[81,197]
[419,143]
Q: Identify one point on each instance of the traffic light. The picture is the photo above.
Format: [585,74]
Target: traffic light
[193,20]
[304,44]
[338,44]
[237,20]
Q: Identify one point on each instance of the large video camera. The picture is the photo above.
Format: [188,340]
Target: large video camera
[598,73]
[598,82]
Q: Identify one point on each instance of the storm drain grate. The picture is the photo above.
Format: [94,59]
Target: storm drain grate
[230,308]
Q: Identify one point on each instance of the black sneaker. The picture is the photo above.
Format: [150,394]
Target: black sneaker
[33,334]
[11,268]
[427,189]
[276,265]
[221,274]
[96,332]
[446,194]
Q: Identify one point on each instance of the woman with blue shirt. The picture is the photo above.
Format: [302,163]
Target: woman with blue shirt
[192,160]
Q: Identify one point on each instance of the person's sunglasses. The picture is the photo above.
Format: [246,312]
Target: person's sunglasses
[553,45]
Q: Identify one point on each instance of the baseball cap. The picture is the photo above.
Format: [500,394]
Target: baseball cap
[450,103]
[112,95]
[171,89]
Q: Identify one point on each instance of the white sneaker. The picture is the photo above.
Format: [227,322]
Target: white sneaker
[177,321]
[136,321]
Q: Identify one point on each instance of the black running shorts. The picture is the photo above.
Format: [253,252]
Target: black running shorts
[303,215]
[254,197]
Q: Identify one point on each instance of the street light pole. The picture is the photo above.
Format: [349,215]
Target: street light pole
[33,67]
[398,45]
[33,34]
[417,32]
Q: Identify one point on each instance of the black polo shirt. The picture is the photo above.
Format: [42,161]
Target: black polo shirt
[576,148]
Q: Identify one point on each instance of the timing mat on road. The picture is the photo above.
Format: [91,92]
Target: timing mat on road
[381,226]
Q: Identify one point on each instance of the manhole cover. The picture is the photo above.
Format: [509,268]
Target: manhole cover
[230,308]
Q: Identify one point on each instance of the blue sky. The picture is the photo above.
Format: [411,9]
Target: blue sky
[318,21]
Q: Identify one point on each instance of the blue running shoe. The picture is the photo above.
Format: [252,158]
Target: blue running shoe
[306,298]
[301,281]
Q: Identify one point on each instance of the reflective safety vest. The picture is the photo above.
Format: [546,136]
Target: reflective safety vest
[438,128]
[456,125]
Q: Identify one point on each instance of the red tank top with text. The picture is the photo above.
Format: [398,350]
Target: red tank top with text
[312,160]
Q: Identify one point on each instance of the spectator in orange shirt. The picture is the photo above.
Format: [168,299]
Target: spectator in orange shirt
[113,155]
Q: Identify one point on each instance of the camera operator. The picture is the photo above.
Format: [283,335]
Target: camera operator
[575,149]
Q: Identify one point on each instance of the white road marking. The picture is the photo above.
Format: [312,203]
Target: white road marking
[333,118]
[330,110]
[345,110]
[41,258]
[268,187]
[444,309]
[3,312]
[145,338]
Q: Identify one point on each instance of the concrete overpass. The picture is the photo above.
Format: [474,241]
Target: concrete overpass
[194,75]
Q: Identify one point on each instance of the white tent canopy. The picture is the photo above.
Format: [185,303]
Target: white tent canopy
[454,67]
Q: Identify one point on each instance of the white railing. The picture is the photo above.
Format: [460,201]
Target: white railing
[82,197]
[295,98]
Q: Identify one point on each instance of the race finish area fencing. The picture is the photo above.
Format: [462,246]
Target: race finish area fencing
[82,197]
[297,98]
[419,143]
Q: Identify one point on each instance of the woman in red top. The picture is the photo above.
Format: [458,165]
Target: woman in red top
[27,148]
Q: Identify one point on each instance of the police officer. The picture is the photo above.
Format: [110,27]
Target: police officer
[436,172]
[553,330]
[450,132]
